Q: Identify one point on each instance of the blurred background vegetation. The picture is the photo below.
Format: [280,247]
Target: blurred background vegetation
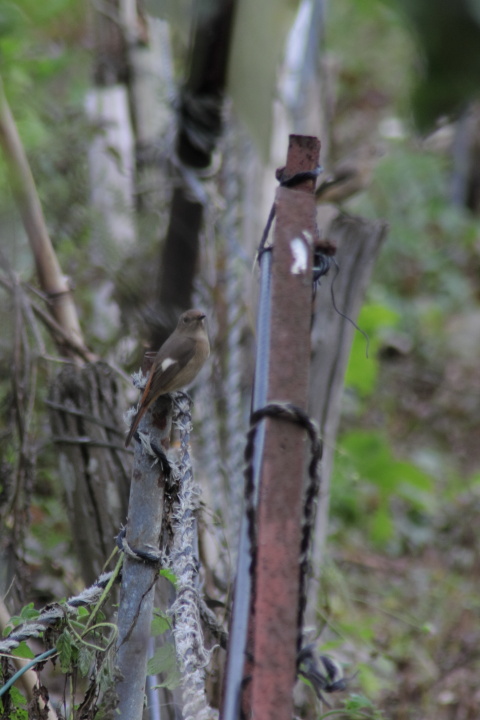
[400,589]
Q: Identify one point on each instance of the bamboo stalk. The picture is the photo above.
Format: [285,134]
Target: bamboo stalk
[52,281]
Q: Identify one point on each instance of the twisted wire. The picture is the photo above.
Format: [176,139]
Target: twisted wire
[235,314]
[54,612]
[191,652]
[294,414]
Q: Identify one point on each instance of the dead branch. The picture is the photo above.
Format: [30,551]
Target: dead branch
[61,336]
[50,275]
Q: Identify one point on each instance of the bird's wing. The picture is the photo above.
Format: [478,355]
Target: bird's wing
[180,349]
[171,358]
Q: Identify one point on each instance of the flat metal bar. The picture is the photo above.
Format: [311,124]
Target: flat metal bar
[241,608]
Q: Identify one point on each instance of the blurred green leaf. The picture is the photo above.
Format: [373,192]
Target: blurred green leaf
[448,38]
[357,702]
[367,477]
[374,319]
[65,650]
[381,526]
[18,701]
[28,612]
[160,623]
[165,661]
[169,575]
[23,651]
[85,659]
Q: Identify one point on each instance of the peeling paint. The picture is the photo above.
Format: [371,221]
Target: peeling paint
[300,256]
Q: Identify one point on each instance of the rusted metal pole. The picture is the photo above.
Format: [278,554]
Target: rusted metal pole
[280,500]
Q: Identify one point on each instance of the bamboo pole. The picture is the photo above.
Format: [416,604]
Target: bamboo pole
[52,281]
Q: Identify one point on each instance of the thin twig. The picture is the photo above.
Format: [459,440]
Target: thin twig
[84,415]
[55,328]
[67,440]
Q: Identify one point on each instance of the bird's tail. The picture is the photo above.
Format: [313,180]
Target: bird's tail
[134,426]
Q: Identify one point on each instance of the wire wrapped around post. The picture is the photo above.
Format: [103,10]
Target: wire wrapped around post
[189,642]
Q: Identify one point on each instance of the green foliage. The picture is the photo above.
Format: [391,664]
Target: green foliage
[67,652]
[358,706]
[429,241]
[448,38]
[23,651]
[83,641]
[355,707]
[165,661]
[86,657]
[376,320]
[160,623]
[169,575]
[28,612]
[83,647]
[368,480]
[45,75]
[422,53]
[36,47]
[17,705]
[49,524]
[360,36]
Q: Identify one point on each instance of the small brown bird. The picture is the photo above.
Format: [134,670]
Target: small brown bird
[177,363]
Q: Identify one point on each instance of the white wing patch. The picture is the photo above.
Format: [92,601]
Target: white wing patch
[166,363]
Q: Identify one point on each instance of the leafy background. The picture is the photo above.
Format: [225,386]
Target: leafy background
[406,487]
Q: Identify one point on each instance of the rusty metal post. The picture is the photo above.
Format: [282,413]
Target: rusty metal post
[280,500]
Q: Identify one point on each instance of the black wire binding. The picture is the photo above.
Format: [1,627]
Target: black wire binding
[285,181]
[146,556]
[352,322]
[294,414]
